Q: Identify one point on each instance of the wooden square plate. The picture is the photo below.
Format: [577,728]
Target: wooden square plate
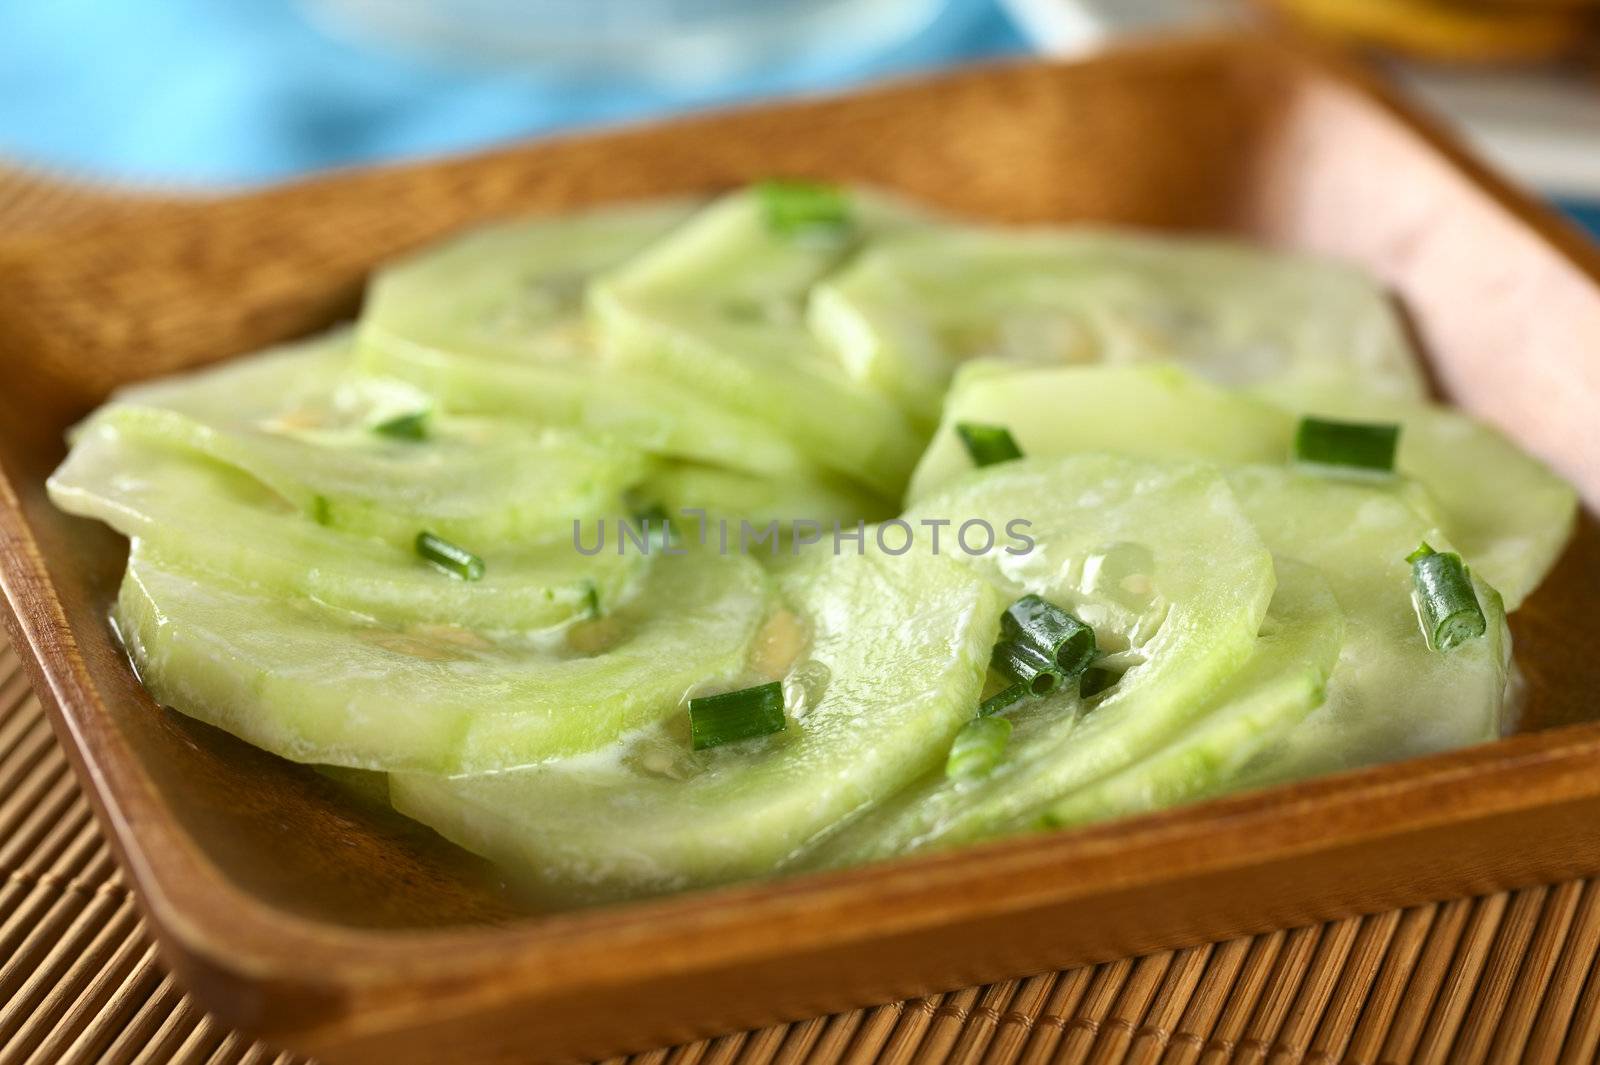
[351,934]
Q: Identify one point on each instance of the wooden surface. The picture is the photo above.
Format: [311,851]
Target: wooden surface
[1499,978]
[298,915]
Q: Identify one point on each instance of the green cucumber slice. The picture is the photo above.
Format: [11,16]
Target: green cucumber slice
[1284,680]
[1160,560]
[492,322]
[1159,411]
[1507,514]
[719,307]
[318,685]
[878,702]
[906,313]
[297,420]
[512,291]
[1390,697]
[731,495]
[215,518]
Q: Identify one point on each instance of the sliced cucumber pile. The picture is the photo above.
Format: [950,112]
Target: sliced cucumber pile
[1503,509]
[1284,680]
[1161,561]
[494,323]
[719,307]
[669,545]
[316,684]
[915,307]
[874,702]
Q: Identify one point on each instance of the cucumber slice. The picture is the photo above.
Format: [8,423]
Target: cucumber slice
[732,496]
[1158,411]
[217,519]
[1356,530]
[1283,681]
[907,312]
[514,291]
[317,685]
[1159,559]
[493,323]
[873,703]
[1507,514]
[719,307]
[1390,697]
[299,422]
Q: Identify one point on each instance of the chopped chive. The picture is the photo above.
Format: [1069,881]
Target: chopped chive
[804,208]
[1066,640]
[653,513]
[978,747]
[1004,700]
[321,510]
[1028,665]
[736,715]
[1096,680]
[413,426]
[988,444]
[653,521]
[1363,445]
[591,600]
[1423,551]
[1446,602]
[453,559]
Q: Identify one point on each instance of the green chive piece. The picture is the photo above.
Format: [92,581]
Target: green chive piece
[988,444]
[1421,552]
[591,600]
[737,715]
[1362,445]
[321,510]
[413,426]
[452,558]
[1004,700]
[978,747]
[1029,665]
[805,208]
[1064,639]
[654,522]
[1446,602]
[1096,680]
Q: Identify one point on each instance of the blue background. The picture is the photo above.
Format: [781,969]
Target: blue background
[201,91]
[204,92]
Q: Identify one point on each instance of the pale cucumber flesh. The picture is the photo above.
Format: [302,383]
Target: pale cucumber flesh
[1391,696]
[1161,561]
[317,685]
[216,518]
[1507,514]
[909,311]
[874,702]
[493,322]
[1283,681]
[300,422]
[718,308]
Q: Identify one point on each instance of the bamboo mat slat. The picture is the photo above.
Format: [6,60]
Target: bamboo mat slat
[1500,978]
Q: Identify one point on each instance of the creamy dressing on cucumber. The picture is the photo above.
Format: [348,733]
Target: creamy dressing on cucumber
[864,438]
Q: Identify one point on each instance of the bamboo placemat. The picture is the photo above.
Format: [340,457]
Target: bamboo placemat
[1500,978]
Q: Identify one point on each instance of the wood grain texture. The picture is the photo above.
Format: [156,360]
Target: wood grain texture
[348,932]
